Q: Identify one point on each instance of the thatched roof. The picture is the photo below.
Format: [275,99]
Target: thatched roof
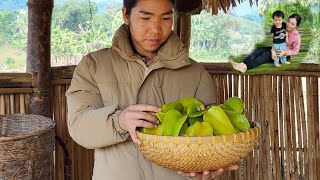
[196,6]
[215,5]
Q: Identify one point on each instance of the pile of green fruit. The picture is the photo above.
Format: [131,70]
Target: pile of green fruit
[189,117]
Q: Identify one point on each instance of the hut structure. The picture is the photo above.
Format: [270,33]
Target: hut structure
[289,115]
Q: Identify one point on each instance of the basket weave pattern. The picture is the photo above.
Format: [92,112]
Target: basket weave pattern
[26,146]
[196,154]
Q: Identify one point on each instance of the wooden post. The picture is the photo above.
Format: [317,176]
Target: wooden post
[177,23]
[38,54]
[185,31]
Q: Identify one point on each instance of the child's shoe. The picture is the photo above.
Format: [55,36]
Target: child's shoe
[287,62]
[277,65]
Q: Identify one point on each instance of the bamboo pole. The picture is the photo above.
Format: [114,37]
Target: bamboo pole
[297,92]
[11,97]
[268,121]
[287,133]
[316,124]
[2,105]
[38,55]
[16,103]
[59,166]
[277,130]
[304,130]
[310,128]
[295,145]
[22,103]
[281,122]
[7,104]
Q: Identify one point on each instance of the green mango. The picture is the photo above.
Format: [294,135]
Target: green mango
[187,101]
[153,131]
[219,121]
[169,122]
[200,129]
[173,105]
[238,120]
[236,104]
[179,124]
[160,116]
[183,129]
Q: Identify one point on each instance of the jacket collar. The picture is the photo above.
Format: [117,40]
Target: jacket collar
[172,54]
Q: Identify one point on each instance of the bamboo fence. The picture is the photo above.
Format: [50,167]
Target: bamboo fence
[285,103]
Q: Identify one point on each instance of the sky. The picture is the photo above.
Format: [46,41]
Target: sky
[244,8]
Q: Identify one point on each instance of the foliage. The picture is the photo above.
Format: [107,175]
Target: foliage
[68,46]
[72,14]
[215,38]
[19,38]
[297,8]
[7,26]
[9,62]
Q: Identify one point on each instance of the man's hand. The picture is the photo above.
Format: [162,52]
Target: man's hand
[208,175]
[138,115]
[281,53]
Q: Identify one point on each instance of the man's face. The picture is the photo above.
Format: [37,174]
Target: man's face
[150,24]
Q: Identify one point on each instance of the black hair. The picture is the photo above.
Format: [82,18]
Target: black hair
[129,4]
[278,14]
[297,17]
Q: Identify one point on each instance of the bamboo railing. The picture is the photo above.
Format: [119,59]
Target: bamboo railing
[285,103]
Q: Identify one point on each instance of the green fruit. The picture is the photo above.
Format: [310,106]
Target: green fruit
[187,101]
[183,129]
[192,120]
[192,108]
[236,104]
[154,131]
[219,121]
[178,125]
[173,105]
[200,129]
[198,113]
[223,106]
[169,122]
[238,120]
[160,116]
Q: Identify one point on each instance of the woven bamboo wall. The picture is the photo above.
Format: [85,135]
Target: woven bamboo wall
[287,150]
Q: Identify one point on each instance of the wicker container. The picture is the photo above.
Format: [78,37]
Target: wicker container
[196,154]
[26,147]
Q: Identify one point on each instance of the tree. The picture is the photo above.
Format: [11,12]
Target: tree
[288,9]
[72,14]
[7,26]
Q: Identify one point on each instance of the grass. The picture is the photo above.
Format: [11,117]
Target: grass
[306,38]
[17,56]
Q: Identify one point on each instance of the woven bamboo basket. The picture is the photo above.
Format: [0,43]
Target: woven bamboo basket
[196,154]
[26,147]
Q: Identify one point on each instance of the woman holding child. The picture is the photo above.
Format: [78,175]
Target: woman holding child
[262,55]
